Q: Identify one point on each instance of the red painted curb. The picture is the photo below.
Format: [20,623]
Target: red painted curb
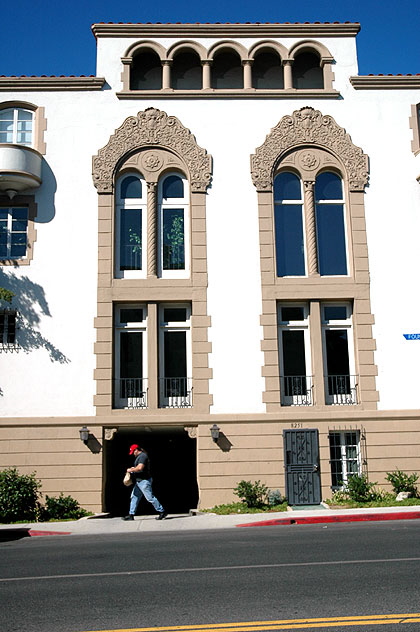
[32,532]
[398,515]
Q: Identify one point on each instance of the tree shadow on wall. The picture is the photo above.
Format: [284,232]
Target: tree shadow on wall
[31,305]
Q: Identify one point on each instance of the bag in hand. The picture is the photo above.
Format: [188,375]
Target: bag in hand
[127,479]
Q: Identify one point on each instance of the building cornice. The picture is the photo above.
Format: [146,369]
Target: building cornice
[326,29]
[385,82]
[51,83]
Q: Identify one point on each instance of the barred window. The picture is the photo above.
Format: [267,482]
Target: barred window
[8,328]
[344,456]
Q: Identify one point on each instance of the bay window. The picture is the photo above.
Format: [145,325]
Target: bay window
[16,126]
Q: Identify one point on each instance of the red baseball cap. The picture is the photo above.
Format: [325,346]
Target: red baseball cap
[133,447]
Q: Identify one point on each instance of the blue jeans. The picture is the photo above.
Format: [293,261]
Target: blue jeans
[143,487]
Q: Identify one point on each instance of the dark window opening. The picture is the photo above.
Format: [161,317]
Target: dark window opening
[307,72]
[227,71]
[267,72]
[186,72]
[146,72]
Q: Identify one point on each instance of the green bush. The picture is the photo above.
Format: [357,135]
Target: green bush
[252,494]
[19,496]
[359,489]
[402,482]
[62,508]
[274,497]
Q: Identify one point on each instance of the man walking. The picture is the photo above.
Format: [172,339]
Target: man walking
[143,484]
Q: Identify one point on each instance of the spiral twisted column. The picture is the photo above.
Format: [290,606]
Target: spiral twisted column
[151,229]
[310,228]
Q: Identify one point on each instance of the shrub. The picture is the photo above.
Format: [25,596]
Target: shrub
[62,508]
[359,489]
[402,482]
[19,496]
[252,494]
[274,497]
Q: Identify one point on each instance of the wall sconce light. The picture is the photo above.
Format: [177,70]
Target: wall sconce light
[215,432]
[84,434]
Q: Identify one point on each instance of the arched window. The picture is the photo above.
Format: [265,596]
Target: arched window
[146,71]
[186,71]
[288,222]
[307,71]
[173,219]
[227,71]
[330,227]
[130,225]
[16,126]
[267,72]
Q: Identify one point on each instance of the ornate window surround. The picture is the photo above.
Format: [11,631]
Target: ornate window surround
[306,142]
[247,57]
[152,143]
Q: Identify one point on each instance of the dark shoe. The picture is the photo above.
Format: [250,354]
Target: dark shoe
[162,515]
[129,517]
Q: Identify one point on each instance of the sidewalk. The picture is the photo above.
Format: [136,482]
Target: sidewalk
[101,524]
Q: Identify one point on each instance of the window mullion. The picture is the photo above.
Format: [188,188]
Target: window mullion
[15,126]
[310,225]
[151,229]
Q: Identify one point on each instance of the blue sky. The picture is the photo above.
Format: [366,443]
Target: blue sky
[53,37]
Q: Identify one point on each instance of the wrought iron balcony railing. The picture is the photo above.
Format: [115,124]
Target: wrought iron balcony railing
[175,392]
[341,389]
[296,390]
[130,392]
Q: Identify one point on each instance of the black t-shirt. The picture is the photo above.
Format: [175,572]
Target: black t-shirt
[145,473]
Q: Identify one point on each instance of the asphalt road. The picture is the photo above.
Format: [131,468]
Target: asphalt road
[76,584]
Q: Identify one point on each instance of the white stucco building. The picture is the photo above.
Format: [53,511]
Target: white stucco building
[218,230]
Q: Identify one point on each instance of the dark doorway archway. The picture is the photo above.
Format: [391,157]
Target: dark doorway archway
[172,456]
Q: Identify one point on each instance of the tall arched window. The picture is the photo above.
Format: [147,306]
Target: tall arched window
[146,71]
[130,225]
[186,71]
[307,71]
[330,226]
[288,222]
[227,70]
[173,220]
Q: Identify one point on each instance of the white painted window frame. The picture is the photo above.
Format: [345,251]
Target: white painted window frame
[174,203]
[345,223]
[134,327]
[297,325]
[123,204]
[338,324]
[301,202]
[173,402]
[344,460]
[15,125]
